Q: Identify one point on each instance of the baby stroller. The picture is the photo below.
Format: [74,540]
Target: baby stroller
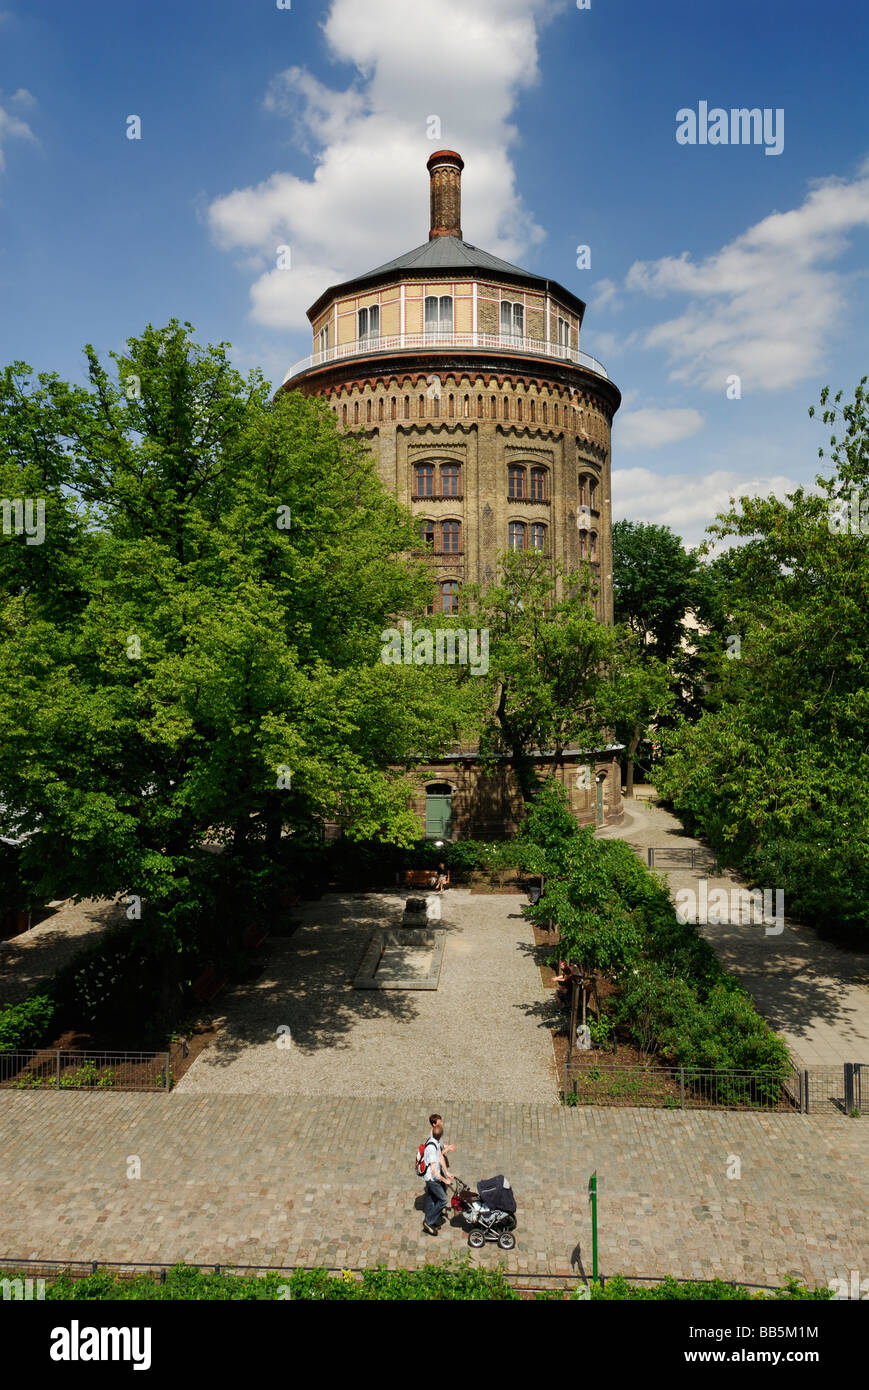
[489,1212]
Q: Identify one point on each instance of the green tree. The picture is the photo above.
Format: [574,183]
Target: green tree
[776,775]
[192,656]
[547,651]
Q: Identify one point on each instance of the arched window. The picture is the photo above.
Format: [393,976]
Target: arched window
[451,537]
[592,491]
[515,482]
[427,531]
[368,411]
[592,545]
[343,415]
[356,412]
[479,407]
[533,412]
[450,596]
[545,414]
[422,407]
[423,480]
[538,484]
[451,480]
[517,535]
[520,410]
[407,407]
[466,409]
[538,537]
[582,545]
[494,404]
[506,408]
[380,409]
[392,409]
[555,414]
[583,496]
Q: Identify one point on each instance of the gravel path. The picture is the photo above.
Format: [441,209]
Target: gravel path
[812,992]
[482,1034]
[34,956]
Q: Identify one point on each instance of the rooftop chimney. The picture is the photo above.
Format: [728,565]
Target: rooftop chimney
[445,169]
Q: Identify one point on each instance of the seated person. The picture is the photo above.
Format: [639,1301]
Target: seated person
[440,882]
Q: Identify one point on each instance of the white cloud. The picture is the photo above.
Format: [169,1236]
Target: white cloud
[368,198]
[12,127]
[766,305]
[687,504]
[653,427]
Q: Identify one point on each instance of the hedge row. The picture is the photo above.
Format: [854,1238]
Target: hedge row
[432,1283]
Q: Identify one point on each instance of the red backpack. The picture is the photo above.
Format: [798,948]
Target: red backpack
[420,1164]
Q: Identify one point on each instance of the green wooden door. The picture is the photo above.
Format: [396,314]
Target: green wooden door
[438,811]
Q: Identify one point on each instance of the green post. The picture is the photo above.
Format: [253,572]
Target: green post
[592,1197]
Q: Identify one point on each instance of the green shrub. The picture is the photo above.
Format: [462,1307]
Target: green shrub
[24,1026]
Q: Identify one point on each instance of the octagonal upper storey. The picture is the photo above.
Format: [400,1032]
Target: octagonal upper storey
[446,296]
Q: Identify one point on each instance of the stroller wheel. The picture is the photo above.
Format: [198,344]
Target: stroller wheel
[477,1239]
[507,1240]
[510,1223]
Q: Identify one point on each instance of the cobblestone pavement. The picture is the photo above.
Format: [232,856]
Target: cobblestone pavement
[481,1034]
[33,956]
[814,994]
[269,1180]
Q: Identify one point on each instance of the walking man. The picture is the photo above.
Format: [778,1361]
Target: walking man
[437,1174]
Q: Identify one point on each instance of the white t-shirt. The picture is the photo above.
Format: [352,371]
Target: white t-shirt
[433,1150]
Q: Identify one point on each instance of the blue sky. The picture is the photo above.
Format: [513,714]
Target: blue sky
[309,127]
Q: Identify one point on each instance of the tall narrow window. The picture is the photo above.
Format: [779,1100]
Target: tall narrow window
[427,532]
[592,493]
[422,407]
[538,537]
[564,336]
[356,412]
[479,407]
[369,322]
[583,496]
[343,415]
[533,412]
[407,407]
[494,404]
[438,314]
[506,410]
[516,483]
[450,596]
[582,544]
[452,407]
[380,409]
[555,414]
[517,535]
[466,407]
[545,414]
[520,410]
[423,480]
[392,409]
[592,545]
[451,480]
[451,537]
[538,484]
[512,319]
[323,339]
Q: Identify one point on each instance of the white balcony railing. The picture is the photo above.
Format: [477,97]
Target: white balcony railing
[479,342]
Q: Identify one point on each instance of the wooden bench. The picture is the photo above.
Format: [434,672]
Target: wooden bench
[254,936]
[423,878]
[207,985]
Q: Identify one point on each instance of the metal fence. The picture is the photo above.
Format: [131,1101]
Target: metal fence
[834,1090]
[59,1069]
[831,1090]
[674,1088]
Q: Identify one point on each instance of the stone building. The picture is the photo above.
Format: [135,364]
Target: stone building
[464,376]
